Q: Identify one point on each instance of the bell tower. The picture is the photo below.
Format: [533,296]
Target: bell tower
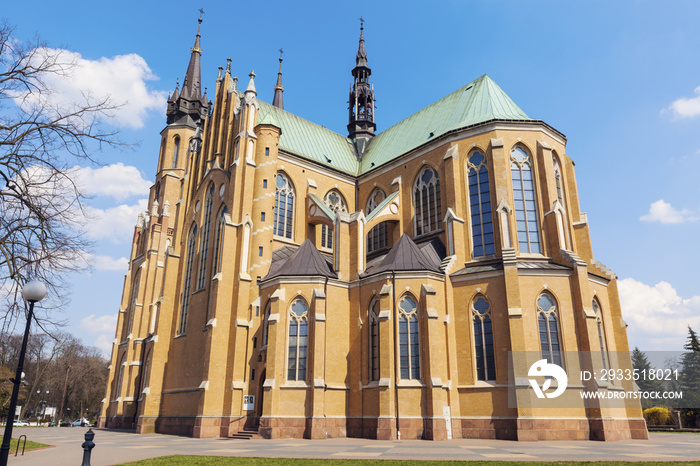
[189,107]
[361,124]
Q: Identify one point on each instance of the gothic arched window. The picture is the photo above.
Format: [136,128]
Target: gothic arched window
[557,178]
[426,200]
[409,338]
[483,339]
[601,333]
[336,202]
[219,241]
[374,341]
[525,204]
[120,378]
[132,302]
[547,317]
[298,340]
[176,151]
[480,206]
[185,300]
[204,242]
[377,238]
[284,207]
[266,324]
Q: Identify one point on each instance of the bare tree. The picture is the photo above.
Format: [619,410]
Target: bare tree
[40,204]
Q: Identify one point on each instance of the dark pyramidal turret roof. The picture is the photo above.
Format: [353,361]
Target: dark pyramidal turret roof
[305,261]
[404,256]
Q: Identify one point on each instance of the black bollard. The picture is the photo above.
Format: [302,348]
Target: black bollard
[88,445]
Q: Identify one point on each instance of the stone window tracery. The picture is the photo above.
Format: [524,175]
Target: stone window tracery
[409,338]
[336,202]
[426,200]
[601,333]
[547,317]
[374,341]
[525,204]
[298,340]
[377,238]
[284,207]
[219,241]
[483,339]
[185,299]
[204,242]
[480,206]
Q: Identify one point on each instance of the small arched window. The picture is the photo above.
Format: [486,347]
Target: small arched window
[483,339]
[374,341]
[547,320]
[336,202]
[426,201]
[176,151]
[525,203]
[409,338]
[132,302]
[145,372]
[266,324]
[480,206]
[298,339]
[219,241]
[120,377]
[185,299]
[204,243]
[284,207]
[557,178]
[377,238]
[601,333]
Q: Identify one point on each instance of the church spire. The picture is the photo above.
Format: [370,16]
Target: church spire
[361,124]
[189,106]
[279,89]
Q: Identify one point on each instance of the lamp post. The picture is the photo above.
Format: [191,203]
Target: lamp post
[32,292]
[40,406]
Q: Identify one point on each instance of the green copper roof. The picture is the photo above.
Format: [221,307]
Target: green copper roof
[309,140]
[479,101]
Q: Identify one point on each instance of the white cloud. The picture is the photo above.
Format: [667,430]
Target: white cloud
[102,329]
[663,212]
[122,79]
[117,180]
[115,223]
[686,108]
[657,316]
[108,263]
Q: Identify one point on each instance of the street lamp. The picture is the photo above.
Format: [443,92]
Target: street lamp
[32,292]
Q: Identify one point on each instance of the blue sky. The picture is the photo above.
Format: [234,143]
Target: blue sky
[617,78]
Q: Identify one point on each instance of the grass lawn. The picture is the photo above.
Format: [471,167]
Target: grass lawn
[30,446]
[221,460]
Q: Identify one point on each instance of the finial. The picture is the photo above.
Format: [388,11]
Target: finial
[154,208]
[201,12]
[251,83]
[228,65]
[277,100]
[218,76]
[234,84]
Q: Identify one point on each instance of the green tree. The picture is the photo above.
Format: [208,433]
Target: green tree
[690,380]
[641,362]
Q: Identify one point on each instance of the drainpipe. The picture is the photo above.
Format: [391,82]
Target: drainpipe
[396,365]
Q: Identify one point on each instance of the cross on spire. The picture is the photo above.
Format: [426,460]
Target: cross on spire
[201,12]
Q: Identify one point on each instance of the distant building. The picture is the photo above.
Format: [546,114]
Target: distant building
[310,284]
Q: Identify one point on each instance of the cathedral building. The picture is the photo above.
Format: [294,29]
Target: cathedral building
[304,283]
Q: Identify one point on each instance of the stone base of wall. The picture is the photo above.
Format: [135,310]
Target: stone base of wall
[117,422]
[503,429]
[532,430]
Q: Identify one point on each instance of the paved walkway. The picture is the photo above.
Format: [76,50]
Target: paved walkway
[120,447]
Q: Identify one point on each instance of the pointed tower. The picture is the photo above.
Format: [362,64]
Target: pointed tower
[361,124]
[279,89]
[188,107]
